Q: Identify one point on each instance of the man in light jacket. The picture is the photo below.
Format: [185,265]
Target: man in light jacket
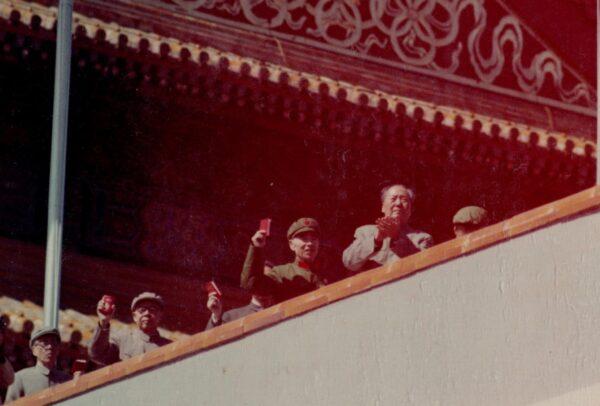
[390,238]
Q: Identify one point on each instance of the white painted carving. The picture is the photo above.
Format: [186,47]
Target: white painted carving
[420,33]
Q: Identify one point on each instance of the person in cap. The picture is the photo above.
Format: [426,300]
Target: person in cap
[262,297]
[45,345]
[390,238]
[7,373]
[469,219]
[109,346]
[291,279]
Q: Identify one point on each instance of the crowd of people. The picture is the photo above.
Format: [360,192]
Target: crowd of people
[388,239]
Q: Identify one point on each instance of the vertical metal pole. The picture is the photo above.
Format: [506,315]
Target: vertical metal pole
[60,116]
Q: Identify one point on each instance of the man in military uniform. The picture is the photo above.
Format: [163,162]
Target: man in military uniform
[390,238]
[294,278]
[108,346]
[262,297]
[469,219]
[45,345]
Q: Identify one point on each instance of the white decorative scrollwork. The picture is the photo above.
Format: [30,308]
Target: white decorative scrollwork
[530,79]
[415,32]
[423,33]
[342,15]
[281,8]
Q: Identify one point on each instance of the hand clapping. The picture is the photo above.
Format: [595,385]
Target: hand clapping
[386,227]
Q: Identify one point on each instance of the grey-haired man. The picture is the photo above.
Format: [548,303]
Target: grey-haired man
[390,238]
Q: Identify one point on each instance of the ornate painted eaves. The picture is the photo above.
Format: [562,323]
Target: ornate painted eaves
[472,42]
[353,93]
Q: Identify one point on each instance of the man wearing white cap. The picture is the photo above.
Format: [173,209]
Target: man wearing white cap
[469,219]
[109,346]
[44,344]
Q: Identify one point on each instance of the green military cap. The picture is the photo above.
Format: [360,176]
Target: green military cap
[45,331]
[471,215]
[302,225]
[153,297]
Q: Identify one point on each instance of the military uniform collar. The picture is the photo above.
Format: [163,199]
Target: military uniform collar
[147,337]
[302,264]
[42,369]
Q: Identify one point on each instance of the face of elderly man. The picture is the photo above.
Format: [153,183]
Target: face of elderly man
[397,203]
[305,246]
[147,315]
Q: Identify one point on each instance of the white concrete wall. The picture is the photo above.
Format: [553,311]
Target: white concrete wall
[515,324]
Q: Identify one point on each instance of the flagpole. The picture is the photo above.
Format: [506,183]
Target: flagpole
[60,117]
